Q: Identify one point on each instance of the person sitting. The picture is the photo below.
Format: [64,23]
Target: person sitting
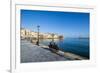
[54,46]
[50,45]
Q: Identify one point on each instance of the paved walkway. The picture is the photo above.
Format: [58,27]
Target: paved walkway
[33,53]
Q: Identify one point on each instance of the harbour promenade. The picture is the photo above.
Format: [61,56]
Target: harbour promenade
[34,53]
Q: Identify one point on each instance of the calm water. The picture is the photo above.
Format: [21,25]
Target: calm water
[73,45]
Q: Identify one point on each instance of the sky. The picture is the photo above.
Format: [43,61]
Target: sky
[68,24]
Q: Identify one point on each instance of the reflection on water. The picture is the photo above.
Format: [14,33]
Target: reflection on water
[74,45]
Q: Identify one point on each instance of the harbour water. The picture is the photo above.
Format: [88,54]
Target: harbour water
[79,46]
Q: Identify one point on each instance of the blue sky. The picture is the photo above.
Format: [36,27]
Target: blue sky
[69,24]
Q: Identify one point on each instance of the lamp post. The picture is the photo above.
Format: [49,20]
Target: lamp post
[38,35]
[52,37]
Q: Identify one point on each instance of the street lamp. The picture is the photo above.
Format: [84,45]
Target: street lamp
[52,37]
[38,35]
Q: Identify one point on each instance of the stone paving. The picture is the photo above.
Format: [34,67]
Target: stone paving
[34,53]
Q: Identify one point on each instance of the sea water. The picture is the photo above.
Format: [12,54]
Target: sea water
[74,45]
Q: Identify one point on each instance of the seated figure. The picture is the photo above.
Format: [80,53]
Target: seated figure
[53,46]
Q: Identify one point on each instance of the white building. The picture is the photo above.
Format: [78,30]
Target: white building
[25,33]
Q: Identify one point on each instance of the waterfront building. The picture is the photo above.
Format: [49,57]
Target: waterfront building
[27,34]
